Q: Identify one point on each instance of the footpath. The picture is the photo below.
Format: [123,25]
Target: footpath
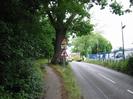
[52,85]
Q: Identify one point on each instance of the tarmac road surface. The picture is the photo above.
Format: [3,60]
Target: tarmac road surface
[97,82]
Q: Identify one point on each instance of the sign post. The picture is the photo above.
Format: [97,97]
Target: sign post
[64,53]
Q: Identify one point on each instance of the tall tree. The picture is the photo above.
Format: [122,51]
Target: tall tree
[70,15]
[91,44]
[62,13]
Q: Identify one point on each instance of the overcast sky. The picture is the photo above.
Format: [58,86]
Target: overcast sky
[109,25]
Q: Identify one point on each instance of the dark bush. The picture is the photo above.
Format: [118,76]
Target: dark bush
[23,79]
[23,39]
[130,65]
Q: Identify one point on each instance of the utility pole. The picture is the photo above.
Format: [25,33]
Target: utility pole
[123,49]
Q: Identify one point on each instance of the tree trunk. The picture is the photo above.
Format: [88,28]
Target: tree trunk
[60,36]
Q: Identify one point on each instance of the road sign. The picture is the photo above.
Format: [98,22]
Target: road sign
[64,44]
[64,53]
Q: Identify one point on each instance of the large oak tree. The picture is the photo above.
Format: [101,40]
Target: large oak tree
[70,15]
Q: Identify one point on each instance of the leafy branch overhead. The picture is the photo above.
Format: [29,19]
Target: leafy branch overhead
[73,16]
[64,12]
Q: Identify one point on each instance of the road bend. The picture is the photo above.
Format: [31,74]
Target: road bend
[97,82]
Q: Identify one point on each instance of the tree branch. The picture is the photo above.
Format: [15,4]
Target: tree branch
[53,22]
[70,19]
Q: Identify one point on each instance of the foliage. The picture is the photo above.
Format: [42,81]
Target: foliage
[117,8]
[72,16]
[69,16]
[122,66]
[93,43]
[81,26]
[69,82]
[24,37]
[130,65]
[23,82]
[66,16]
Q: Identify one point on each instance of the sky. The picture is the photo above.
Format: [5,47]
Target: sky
[109,25]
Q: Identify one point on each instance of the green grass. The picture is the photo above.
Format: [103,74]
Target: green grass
[40,63]
[116,65]
[70,84]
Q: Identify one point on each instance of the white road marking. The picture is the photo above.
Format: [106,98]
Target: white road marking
[107,78]
[130,91]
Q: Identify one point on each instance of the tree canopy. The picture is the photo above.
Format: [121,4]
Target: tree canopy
[91,44]
[73,16]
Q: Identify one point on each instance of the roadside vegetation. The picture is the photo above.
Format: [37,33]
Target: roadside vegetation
[70,85]
[34,29]
[25,36]
[121,65]
[91,44]
[28,81]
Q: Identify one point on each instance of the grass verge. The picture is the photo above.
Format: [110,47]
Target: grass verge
[40,63]
[120,66]
[70,85]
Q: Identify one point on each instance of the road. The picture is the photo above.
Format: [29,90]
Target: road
[97,82]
